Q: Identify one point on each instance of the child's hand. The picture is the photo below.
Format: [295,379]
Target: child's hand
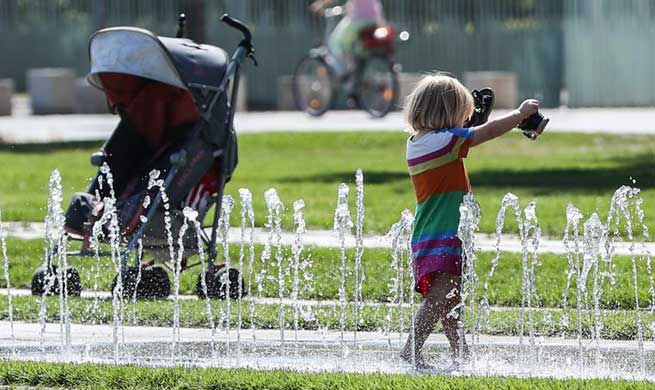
[529,107]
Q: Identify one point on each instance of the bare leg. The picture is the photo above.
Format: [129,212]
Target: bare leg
[450,321]
[436,306]
[426,318]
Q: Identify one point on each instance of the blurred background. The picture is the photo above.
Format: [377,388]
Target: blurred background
[578,53]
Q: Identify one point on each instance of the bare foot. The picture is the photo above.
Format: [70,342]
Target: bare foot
[419,362]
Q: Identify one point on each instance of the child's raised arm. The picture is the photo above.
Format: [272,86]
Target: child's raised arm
[505,123]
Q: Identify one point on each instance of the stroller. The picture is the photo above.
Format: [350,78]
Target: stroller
[175,130]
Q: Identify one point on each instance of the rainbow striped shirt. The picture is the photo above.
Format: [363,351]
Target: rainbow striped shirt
[440,182]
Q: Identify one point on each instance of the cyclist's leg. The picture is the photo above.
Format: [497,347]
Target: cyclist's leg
[341,42]
[335,42]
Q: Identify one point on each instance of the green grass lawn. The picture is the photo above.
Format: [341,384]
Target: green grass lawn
[583,169]
[78,376]
[504,287]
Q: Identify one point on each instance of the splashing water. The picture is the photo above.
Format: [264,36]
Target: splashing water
[530,259]
[94,245]
[55,247]
[191,216]
[574,258]
[179,258]
[64,309]
[5,267]
[596,259]
[359,250]
[620,207]
[154,181]
[139,261]
[509,200]
[110,217]
[592,239]
[274,223]
[342,228]
[247,213]
[590,252]
[296,251]
[645,235]
[224,228]
[400,236]
[248,222]
[530,235]
[469,221]
[573,217]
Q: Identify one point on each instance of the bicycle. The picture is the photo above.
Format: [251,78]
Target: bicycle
[372,82]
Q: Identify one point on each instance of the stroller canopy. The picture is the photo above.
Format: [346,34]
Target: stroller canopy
[156,82]
[178,62]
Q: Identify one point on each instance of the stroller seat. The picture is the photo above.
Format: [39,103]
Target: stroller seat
[157,119]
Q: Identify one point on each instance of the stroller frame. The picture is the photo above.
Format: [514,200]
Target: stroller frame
[244,49]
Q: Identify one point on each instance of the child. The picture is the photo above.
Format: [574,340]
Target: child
[436,112]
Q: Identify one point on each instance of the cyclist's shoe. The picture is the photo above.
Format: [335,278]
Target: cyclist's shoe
[484,103]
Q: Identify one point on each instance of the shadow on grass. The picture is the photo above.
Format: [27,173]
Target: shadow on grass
[591,179]
[640,168]
[373,177]
[48,147]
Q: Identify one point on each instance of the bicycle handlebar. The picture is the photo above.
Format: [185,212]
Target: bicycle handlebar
[236,24]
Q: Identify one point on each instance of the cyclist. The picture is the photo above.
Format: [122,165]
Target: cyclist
[359,15]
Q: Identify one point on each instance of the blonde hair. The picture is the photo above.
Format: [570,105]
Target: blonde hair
[438,102]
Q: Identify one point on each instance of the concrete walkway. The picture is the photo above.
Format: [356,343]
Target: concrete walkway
[22,127]
[328,239]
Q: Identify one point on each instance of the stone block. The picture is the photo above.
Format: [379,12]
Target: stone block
[504,85]
[285,100]
[406,84]
[6,92]
[51,90]
[89,99]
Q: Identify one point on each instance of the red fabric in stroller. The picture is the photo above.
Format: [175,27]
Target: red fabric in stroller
[160,114]
[152,108]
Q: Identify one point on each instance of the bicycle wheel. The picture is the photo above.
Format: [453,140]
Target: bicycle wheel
[377,87]
[314,86]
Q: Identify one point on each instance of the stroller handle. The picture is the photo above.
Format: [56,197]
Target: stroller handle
[234,23]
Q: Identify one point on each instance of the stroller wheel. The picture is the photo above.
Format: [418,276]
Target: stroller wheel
[216,277]
[153,284]
[46,281]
